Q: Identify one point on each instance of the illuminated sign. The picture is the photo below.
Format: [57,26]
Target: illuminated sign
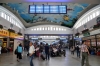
[47,9]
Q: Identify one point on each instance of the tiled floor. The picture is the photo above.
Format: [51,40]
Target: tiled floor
[70,60]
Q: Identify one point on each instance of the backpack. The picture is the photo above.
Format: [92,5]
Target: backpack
[16,51]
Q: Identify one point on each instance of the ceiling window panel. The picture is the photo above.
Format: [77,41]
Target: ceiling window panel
[88,18]
[51,28]
[48,28]
[91,16]
[5,16]
[8,18]
[97,13]
[37,29]
[59,29]
[12,20]
[45,28]
[94,15]
[82,23]
[54,28]
[40,28]
[16,24]
[62,29]
[79,24]
[2,14]
[34,29]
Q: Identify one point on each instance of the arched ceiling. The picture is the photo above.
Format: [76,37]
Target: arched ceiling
[68,20]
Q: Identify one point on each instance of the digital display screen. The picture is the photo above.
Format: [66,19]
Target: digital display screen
[48,9]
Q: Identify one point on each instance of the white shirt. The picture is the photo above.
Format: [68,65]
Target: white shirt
[31,49]
[0,48]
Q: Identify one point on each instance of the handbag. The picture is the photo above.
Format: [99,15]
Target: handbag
[16,51]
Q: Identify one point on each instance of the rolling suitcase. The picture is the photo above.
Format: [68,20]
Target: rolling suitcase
[42,56]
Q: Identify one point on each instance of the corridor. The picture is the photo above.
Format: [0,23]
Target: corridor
[70,60]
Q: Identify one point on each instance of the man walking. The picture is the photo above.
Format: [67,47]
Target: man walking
[31,53]
[85,53]
[78,51]
[47,51]
[0,49]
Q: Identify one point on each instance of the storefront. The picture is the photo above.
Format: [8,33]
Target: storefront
[93,42]
[7,40]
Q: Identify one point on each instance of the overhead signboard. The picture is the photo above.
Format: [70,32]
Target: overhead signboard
[47,9]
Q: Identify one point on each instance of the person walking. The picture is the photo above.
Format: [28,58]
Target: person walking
[0,49]
[72,50]
[85,53]
[78,51]
[19,52]
[47,52]
[31,53]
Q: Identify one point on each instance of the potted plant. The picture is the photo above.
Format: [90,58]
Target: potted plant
[19,33]
[77,34]
[86,30]
[96,26]
[1,27]
[11,30]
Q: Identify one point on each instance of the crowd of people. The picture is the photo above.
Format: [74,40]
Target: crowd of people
[49,50]
[45,51]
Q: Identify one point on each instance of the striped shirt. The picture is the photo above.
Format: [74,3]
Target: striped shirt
[84,48]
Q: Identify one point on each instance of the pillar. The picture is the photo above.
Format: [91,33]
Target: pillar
[8,41]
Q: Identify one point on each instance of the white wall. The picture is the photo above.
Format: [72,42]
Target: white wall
[66,31]
[89,24]
[7,24]
[89,18]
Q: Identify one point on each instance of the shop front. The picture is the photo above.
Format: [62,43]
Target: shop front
[93,42]
[7,40]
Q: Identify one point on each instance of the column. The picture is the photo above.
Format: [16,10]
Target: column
[8,41]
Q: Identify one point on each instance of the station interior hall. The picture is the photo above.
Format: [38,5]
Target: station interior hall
[56,26]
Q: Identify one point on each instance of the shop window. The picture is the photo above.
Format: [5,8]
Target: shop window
[98,42]
[93,42]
